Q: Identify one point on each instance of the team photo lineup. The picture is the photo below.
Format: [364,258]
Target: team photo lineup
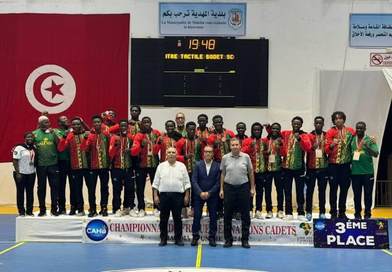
[192,164]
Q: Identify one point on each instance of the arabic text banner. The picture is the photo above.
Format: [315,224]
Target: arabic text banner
[202,19]
[370,30]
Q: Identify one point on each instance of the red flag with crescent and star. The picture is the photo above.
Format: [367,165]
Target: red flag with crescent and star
[65,64]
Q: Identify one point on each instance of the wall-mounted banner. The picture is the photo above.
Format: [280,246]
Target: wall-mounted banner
[351,233]
[146,230]
[202,19]
[370,30]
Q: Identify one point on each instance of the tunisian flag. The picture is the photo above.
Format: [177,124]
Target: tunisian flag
[73,65]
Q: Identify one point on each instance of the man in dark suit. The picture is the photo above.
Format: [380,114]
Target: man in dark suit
[205,185]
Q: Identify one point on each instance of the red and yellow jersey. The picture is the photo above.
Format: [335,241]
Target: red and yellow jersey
[220,142]
[341,152]
[145,145]
[120,151]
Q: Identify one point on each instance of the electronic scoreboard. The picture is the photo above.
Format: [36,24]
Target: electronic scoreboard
[199,71]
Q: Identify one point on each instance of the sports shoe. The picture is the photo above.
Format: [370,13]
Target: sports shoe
[134,212]
[92,213]
[245,244]
[301,218]
[309,216]
[156,212]
[104,211]
[118,213]
[322,216]
[162,243]
[269,215]
[179,242]
[62,212]
[54,213]
[259,215]
[212,242]
[194,241]
[289,217]
[30,214]
[80,213]
[141,213]
[125,212]
[42,213]
[228,244]
[280,214]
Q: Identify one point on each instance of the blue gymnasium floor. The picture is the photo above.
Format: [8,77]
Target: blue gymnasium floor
[110,257]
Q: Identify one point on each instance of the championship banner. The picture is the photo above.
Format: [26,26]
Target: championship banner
[64,64]
[370,234]
[146,230]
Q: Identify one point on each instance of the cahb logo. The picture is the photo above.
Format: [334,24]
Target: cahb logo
[319,225]
[97,230]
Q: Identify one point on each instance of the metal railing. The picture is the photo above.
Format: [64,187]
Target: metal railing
[384,193]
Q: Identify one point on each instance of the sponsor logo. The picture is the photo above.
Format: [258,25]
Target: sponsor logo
[320,225]
[97,230]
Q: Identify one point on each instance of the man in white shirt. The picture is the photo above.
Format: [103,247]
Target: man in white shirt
[171,192]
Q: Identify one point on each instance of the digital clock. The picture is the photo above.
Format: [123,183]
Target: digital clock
[196,44]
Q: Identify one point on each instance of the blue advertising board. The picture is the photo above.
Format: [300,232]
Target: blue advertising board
[337,233]
[202,19]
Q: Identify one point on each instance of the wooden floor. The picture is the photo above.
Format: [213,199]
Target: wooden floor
[377,212]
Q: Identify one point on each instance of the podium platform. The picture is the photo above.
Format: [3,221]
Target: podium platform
[128,229]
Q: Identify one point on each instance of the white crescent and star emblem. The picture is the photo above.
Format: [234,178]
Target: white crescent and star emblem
[50,88]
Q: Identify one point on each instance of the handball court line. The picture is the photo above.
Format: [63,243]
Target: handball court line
[199,255]
[387,252]
[11,248]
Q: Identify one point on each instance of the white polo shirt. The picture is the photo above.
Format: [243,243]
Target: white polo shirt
[25,159]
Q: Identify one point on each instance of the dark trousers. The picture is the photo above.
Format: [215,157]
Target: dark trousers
[76,189]
[298,176]
[25,184]
[52,174]
[366,182]
[141,175]
[279,186]
[263,186]
[236,196]
[198,203]
[64,172]
[321,175]
[339,177]
[103,175]
[171,202]
[123,178]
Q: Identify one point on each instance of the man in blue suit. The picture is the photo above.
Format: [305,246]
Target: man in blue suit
[205,185]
